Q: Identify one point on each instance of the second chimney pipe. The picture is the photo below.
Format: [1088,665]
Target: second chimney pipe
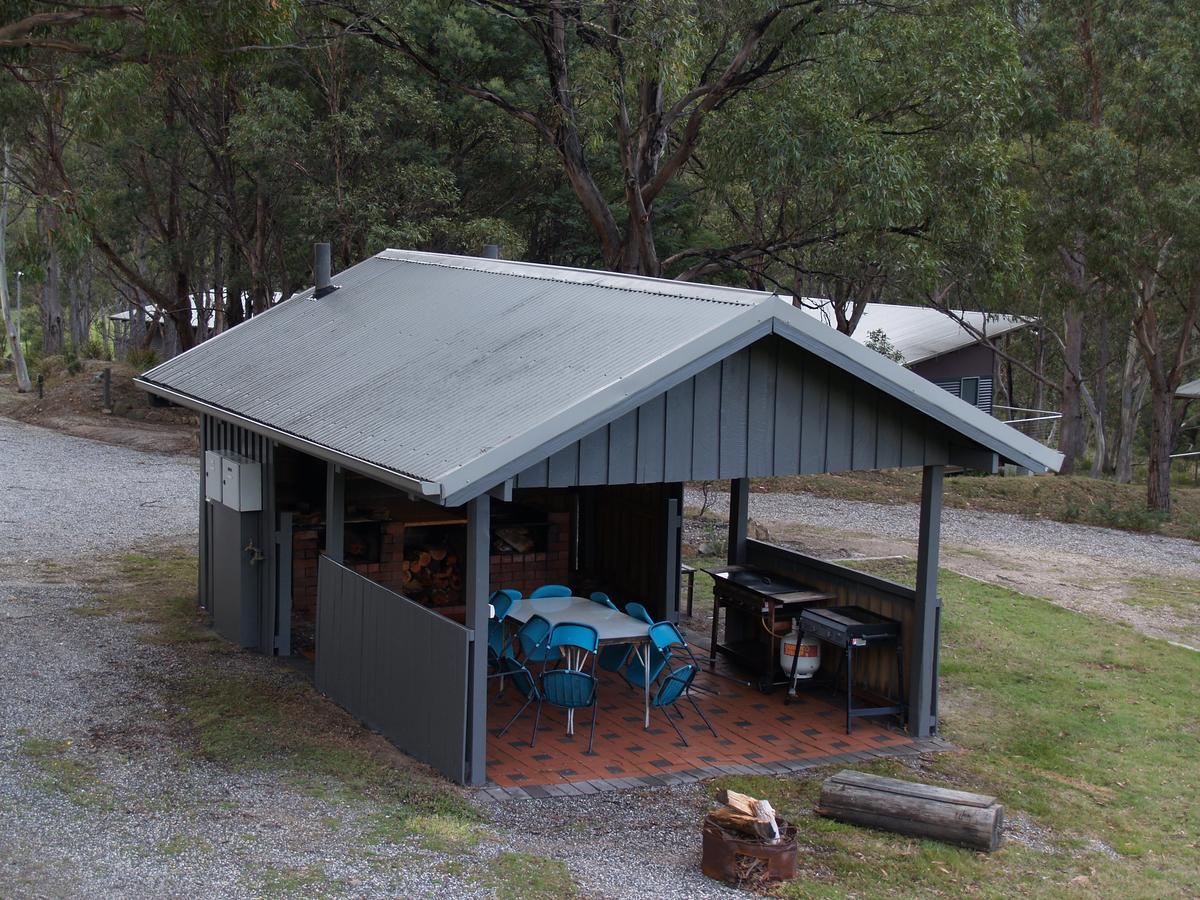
[491,251]
[321,265]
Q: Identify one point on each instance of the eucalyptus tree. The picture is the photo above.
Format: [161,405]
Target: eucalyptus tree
[622,92]
[1114,177]
[880,171]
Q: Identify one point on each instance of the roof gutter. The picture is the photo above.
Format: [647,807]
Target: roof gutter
[424,489]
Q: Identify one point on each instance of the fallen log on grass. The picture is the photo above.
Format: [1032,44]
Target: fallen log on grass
[907,807]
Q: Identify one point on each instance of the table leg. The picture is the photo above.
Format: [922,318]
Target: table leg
[712,648]
[646,689]
[849,684]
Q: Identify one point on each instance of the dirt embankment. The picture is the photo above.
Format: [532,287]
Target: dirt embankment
[74,404]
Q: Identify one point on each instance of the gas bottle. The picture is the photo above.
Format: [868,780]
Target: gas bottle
[809,655]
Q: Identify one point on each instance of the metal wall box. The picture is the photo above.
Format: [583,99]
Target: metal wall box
[212,475]
[241,484]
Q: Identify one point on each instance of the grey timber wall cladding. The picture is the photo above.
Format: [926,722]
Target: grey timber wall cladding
[769,409]
[229,439]
[395,665]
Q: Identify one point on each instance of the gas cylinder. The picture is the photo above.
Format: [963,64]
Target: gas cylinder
[810,655]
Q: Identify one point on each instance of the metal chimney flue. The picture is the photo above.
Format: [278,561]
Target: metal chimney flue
[491,251]
[321,270]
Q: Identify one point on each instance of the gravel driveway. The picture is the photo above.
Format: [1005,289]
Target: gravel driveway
[971,528]
[100,795]
[63,496]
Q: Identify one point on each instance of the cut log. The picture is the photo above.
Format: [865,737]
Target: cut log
[730,818]
[438,553]
[907,807]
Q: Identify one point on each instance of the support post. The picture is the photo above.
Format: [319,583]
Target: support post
[202,574]
[922,702]
[739,508]
[335,512]
[478,590]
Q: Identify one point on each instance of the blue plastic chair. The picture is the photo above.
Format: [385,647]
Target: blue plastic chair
[603,599]
[525,685]
[635,672]
[534,639]
[571,687]
[675,686]
[551,590]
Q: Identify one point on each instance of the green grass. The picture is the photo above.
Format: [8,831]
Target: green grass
[1088,729]
[1179,594]
[524,876]
[64,774]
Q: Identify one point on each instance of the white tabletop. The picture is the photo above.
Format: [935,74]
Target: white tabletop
[610,624]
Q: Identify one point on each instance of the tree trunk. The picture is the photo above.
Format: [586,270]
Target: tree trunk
[1133,395]
[10,331]
[1162,440]
[52,313]
[1100,394]
[1070,442]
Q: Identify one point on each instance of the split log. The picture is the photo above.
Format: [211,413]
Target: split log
[728,817]
[760,810]
[907,807]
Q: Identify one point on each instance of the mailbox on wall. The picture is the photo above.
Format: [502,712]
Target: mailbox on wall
[212,475]
[241,484]
[233,480]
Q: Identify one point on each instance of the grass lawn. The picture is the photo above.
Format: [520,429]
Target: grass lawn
[1087,732]
[1076,498]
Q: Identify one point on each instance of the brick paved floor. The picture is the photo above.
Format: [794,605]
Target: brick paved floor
[753,729]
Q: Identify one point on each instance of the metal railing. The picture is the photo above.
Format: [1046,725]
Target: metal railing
[1041,425]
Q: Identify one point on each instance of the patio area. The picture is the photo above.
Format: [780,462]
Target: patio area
[757,733]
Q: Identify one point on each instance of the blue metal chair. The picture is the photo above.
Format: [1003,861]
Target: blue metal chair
[534,639]
[502,601]
[551,590]
[603,599]
[675,686]
[638,671]
[571,687]
[525,685]
[638,612]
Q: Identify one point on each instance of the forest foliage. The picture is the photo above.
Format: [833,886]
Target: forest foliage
[1036,158]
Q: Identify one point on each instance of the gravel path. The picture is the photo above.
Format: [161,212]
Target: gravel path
[100,794]
[971,528]
[63,496]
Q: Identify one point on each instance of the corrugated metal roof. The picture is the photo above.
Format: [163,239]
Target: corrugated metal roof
[448,370]
[1189,391]
[918,332]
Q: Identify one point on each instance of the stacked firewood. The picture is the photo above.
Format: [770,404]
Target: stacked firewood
[432,574]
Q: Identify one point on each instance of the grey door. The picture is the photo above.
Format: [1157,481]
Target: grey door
[234,604]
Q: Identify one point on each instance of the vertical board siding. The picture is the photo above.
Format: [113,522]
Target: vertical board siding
[395,665]
[622,449]
[768,409]
[789,412]
[651,438]
[706,420]
[734,414]
[677,442]
[760,413]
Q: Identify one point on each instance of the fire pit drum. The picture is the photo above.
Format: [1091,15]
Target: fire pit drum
[720,850]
